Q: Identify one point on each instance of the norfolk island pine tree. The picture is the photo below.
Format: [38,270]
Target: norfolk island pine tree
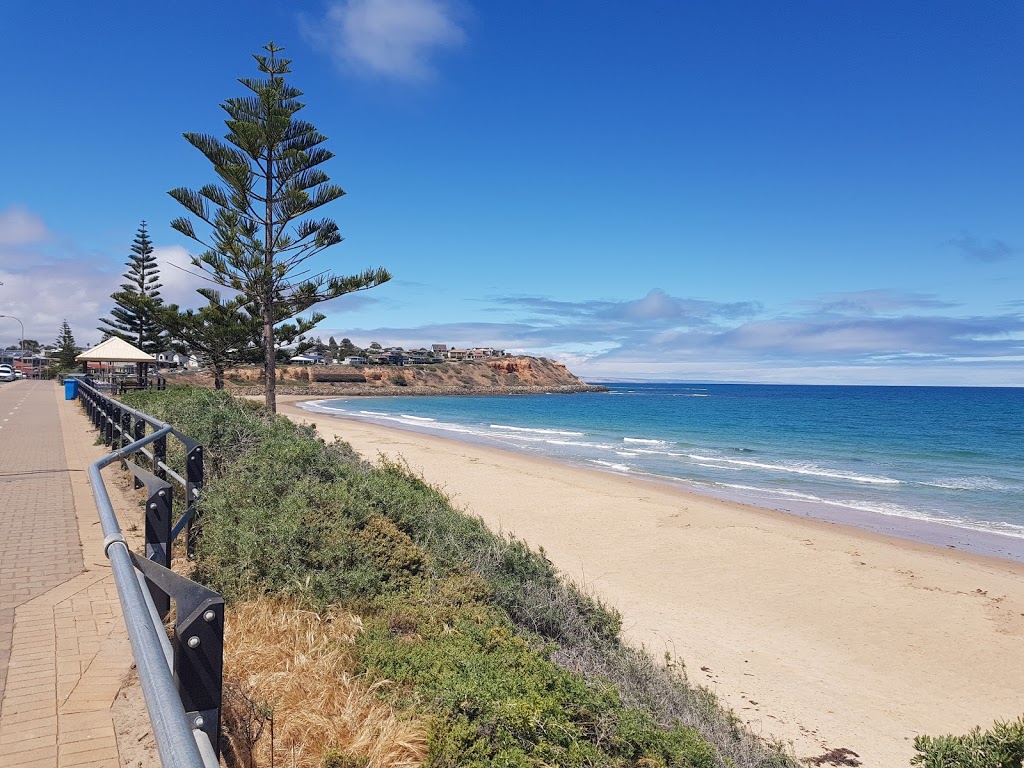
[134,317]
[67,349]
[269,166]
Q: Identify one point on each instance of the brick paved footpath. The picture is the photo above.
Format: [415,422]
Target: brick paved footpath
[63,646]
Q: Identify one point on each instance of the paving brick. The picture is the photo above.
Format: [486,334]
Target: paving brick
[63,645]
[46,756]
[37,744]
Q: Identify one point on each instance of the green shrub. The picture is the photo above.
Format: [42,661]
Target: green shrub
[517,665]
[500,700]
[1001,747]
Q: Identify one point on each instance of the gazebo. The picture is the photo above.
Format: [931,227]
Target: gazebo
[116,350]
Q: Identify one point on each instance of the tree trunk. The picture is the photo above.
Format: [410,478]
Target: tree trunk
[268,289]
[269,360]
[218,377]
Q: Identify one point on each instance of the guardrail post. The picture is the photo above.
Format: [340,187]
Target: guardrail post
[194,473]
[160,458]
[159,500]
[112,417]
[199,661]
[198,646]
[138,433]
[126,429]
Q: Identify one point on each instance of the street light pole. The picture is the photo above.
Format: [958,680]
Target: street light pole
[21,346]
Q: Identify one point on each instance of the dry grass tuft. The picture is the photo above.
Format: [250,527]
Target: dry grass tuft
[289,689]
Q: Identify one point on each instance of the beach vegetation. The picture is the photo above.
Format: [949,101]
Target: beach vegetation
[260,234]
[470,632]
[1002,746]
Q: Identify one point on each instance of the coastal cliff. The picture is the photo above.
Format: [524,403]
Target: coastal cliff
[491,376]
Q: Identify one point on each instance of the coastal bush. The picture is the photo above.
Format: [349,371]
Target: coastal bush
[1000,747]
[461,617]
[499,698]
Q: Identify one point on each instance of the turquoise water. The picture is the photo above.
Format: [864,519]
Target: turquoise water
[947,455]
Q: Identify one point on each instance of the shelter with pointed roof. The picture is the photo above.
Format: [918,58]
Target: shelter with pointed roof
[115,350]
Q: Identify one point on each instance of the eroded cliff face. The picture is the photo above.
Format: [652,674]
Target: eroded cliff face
[477,374]
[502,375]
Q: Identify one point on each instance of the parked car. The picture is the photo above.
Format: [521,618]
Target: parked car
[7,372]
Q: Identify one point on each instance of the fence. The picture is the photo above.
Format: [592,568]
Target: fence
[181,676]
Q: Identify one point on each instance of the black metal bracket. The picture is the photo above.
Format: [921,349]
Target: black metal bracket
[159,502]
[198,644]
[194,474]
[138,433]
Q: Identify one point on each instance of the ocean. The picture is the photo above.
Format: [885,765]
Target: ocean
[864,455]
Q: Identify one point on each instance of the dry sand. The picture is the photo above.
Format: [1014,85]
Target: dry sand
[822,635]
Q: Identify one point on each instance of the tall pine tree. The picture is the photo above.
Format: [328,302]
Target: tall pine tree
[271,179]
[135,316]
[67,349]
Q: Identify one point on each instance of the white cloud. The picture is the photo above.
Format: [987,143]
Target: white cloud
[179,279]
[660,336]
[19,226]
[46,278]
[42,292]
[395,39]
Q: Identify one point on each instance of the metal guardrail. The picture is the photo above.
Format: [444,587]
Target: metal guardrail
[181,676]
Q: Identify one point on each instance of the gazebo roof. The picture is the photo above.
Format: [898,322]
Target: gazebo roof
[115,350]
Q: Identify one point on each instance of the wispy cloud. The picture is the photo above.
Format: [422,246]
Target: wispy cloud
[988,251]
[393,39]
[873,302]
[47,278]
[178,278]
[43,286]
[19,226]
[873,336]
[657,308]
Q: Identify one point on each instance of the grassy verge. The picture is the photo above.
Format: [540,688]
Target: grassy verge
[508,662]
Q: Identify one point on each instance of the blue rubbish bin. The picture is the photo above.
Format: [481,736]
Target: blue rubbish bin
[70,389]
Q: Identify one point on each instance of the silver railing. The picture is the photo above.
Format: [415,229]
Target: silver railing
[181,675]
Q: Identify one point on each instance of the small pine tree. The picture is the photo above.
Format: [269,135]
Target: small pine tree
[68,350]
[137,305]
[220,335]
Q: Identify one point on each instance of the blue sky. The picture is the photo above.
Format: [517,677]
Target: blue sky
[798,192]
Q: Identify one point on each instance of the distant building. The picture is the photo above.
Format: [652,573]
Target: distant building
[172,359]
[439,349]
[307,360]
[355,360]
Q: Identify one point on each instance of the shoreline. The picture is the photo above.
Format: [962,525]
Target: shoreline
[389,390]
[821,634]
[937,533]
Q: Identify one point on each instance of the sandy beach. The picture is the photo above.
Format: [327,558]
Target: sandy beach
[820,634]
